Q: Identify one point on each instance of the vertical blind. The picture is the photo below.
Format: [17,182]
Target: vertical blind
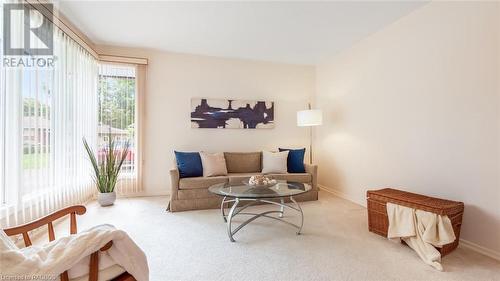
[45,112]
[117,117]
[2,113]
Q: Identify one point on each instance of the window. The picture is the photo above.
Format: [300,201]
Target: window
[117,116]
[44,113]
[36,126]
[2,115]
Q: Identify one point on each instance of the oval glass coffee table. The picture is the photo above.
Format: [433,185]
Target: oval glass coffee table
[275,195]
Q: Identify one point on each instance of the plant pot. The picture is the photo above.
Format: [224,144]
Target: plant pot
[106,199]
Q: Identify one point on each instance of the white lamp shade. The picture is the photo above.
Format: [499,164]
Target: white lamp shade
[311,117]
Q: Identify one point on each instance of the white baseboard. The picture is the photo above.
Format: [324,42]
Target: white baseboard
[480,249]
[144,194]
[342,195]
[463,243]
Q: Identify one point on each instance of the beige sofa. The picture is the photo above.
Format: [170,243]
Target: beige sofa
[192,193]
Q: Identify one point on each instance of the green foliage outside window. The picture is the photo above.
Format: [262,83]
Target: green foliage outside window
[117,102]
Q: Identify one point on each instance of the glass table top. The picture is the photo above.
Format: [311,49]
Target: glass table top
[241,190]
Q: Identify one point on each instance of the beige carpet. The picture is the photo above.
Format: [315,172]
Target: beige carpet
[335,245]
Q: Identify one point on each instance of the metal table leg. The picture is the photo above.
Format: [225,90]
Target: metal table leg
[301,214]
[230,218]
[235,211]
[282,209]
[222,208]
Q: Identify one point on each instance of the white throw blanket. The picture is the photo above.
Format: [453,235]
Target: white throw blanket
[421,230]
[50,260]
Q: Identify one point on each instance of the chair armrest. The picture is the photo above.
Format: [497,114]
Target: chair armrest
[313,170]
[107,246]
[77,209]
[174,183]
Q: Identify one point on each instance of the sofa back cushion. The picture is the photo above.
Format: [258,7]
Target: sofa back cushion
[243,162]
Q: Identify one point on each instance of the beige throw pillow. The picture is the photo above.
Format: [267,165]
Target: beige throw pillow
[214,164]
[274,162]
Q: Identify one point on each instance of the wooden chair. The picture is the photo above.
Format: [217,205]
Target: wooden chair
[47,220]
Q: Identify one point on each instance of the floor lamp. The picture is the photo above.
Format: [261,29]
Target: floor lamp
[310,118]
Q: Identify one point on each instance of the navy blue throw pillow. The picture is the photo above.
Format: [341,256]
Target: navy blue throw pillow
[189,164]
[295,160]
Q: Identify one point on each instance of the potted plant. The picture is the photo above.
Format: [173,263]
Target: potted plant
[107,169]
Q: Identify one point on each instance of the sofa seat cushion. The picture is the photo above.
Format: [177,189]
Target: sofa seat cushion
[236,178]
[201,193]
[296,177]
[201,182]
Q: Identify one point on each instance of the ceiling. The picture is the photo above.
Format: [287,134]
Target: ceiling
[291,32]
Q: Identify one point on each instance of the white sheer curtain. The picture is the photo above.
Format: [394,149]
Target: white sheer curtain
[44,115]
[118,117]
[2,112]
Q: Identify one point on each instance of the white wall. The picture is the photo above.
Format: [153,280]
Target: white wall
[414,106]
[173,79]
[417,106]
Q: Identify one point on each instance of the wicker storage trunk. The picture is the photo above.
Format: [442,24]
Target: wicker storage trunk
[377,212]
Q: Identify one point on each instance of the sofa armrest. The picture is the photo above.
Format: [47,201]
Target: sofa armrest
[174,183]
[313,170]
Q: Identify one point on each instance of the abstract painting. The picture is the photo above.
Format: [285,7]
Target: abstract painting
[231,114]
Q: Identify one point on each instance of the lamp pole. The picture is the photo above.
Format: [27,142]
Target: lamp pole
[310,139]
[310,145]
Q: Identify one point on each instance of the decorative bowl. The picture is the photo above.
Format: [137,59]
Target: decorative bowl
[260,181]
